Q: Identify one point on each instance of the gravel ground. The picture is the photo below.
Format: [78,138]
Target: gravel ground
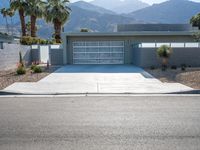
[9,77]
[190,77]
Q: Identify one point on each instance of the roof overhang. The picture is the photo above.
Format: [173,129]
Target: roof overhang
[141,33]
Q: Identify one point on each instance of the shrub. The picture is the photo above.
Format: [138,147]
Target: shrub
[37,69]
[164,52]
[85,30]
[183,67]
[21,70]
[33,66]
[174,67]
[20,59]
[28,40]
[152,68]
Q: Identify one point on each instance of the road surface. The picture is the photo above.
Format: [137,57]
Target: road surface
[100,123]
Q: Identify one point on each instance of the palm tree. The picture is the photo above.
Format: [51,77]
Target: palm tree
[35,10]
[20,5]
[4,12]
[57,12]
[11,13]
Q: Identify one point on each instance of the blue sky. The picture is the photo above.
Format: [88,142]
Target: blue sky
[147,1]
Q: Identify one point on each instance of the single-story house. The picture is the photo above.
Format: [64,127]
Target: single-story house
[4,38]
[132,44]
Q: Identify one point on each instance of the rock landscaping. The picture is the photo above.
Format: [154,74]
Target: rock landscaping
[10,76]
[189,76]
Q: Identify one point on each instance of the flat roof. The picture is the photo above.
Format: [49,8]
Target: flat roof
[155,27]
[138,33]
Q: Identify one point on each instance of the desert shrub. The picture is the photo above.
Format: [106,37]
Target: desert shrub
[183,67]
[37,69]
[28,40]
[152,67]
[33,66]
[174,67]
[21,59]
[164,52]
[84,30]
[21,70]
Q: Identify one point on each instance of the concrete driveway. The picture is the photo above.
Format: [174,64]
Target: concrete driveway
[98,79]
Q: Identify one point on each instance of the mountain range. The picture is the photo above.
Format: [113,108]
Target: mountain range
[172,11]
[120,6]
[100,18]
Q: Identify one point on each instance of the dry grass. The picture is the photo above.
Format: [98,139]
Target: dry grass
[9,77]
[190,77]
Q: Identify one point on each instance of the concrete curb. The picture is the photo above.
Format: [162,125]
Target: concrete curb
[193,92]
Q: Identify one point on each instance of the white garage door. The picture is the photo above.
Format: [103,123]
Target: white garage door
[98,52]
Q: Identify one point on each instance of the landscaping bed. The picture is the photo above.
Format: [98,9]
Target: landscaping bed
[10,76]
[189,77]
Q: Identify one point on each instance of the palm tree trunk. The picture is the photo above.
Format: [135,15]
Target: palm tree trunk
[12,25]
[7,24]
[22,20]
[57,28]
[33,28]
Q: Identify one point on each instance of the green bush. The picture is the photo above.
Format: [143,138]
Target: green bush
[174,67]
[37,69]
[183,67]
[28,40]
[33,66]
[164,51]
[152,67]
[21,70]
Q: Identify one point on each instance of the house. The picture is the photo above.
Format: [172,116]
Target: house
[4,38]
[134,44]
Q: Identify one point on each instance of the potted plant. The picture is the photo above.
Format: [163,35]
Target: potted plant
[164,52]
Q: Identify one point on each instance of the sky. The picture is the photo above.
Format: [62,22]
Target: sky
[147,1]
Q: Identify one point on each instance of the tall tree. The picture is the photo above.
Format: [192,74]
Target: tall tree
[195,20]
[57,12]
[4,12]
[11,13]
[35,10]
[20,5]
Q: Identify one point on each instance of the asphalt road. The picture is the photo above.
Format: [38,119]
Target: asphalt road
[100,123]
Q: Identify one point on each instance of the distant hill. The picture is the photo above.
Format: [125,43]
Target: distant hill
[120,6]
[94,20]
[91,7]
[82,18]
[173,11]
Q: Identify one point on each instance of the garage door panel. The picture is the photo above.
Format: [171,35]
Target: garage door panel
[91,49]
[98,52]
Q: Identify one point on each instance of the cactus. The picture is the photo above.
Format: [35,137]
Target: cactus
[20,59]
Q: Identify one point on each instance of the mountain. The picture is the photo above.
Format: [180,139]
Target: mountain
[83,15]
[172,11]
[120,6]
[94,20]
[91,7]
[82,18]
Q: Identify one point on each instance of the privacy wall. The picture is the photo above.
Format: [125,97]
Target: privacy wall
[9,55]
[147,57]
